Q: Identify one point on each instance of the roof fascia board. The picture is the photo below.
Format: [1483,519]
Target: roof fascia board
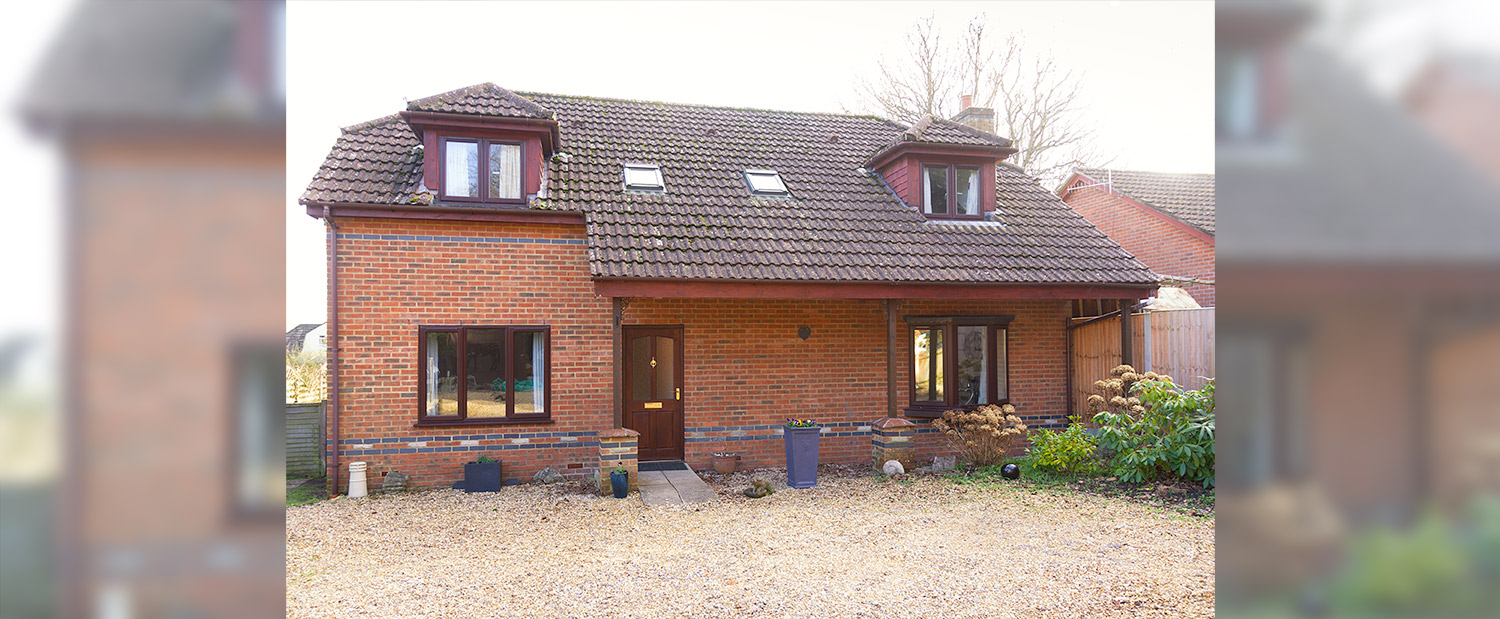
[443,213]
[777,289]
[994,153]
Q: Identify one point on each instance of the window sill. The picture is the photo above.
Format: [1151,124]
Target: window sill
[428,423]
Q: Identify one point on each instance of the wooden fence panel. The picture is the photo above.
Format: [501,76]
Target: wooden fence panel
[304,440]
[1181,346]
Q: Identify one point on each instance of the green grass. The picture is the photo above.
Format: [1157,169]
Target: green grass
[1196,503]
[305,494]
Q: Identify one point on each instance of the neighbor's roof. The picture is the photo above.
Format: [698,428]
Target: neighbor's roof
[1186,197]
[840,224]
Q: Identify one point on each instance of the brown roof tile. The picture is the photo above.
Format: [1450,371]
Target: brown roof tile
[484,99]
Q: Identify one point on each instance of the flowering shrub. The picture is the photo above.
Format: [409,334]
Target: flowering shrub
[801,423]
[982,436]
[1069,451]
[1165,431]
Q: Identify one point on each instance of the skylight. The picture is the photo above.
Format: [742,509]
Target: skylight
[765,183]
[643,177]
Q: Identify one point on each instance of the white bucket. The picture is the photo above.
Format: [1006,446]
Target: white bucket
[357,486]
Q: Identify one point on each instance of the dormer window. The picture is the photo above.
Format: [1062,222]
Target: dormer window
[950,191]
[482,170]
[765,183]
[643,177]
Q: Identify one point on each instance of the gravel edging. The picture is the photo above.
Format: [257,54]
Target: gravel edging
[854,546]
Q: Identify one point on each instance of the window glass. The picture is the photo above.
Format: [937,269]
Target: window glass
[666,368]
[927,364]
[442,374]
[484,353]
[973,366]
[640,368]
[462,169]
[643,177]
[1237,98]
[765,181]
[505,171]
[966,193]
[1002,388]
[530,363]
[935,190]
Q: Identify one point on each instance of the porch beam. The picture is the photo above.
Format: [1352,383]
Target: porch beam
[617,315]
[762,289]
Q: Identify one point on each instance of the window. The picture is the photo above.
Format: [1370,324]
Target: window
[950,191]
[1238,95]
[483,374]
[481,170]
[957,362]
[765,183]
[643,177]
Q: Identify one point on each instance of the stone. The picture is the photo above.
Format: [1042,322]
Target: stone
[547,476]
[394,481]
[944,463]
[893,468]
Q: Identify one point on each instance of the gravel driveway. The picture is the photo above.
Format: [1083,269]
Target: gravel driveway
[854,546]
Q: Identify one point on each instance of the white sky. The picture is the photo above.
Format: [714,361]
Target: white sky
[1148,70]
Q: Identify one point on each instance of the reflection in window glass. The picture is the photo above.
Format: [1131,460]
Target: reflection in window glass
[666,368]
[973,366]
[505,171]
[640,368]
[967,192]
[484,352]
[442,374]
[530,363]
[462,169]
[935,189]
[927,364]
[765,181]
[643,177]
[1002,390]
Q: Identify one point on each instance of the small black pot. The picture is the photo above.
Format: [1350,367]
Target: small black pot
[620,483]
[1010,471]
[481,476]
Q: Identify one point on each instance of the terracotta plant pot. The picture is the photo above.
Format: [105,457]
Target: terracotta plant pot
[726,464]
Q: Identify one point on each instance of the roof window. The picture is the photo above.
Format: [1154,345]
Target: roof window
[765,183]
[643,177]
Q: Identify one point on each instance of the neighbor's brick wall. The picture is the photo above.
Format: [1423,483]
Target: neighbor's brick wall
[1156,241]
[476,274]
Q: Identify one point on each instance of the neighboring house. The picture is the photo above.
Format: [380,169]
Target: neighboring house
[517,272]
[1165,220]
[308,335]
[169,120]
[1457,97]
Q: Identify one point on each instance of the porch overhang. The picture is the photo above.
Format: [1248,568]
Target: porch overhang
[784,289]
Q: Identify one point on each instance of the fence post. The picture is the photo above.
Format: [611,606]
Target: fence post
[1146,341]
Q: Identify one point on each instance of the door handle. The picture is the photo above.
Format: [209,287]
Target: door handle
[679,393]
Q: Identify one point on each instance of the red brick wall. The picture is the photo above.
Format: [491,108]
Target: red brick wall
[1157,241]
[746,369]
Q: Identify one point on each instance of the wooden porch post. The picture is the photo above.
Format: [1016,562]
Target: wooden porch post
[617,312]
[1125,340]
[891,343]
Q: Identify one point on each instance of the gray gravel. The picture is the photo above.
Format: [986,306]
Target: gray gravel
[854,546]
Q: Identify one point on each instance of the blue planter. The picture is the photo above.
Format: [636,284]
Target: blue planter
[801,456]
[481,476]
[620,483]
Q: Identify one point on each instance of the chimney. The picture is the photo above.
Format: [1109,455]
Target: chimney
[981,118]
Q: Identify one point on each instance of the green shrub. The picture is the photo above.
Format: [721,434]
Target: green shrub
[1170,433]
[1069,451]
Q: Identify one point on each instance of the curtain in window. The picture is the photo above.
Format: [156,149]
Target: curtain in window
[968,194]
[462,169]
[539,372]
[505,172]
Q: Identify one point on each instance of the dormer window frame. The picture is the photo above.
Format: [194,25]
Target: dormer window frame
[951,198]
[786,192]
[483,145]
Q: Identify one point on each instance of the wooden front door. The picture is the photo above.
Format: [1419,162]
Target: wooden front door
[652,361]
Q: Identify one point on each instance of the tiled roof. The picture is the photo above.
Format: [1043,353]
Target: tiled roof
[930,130]
[484,99]
[838,225]
[1188,197]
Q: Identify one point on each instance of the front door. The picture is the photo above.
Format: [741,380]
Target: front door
[653,389]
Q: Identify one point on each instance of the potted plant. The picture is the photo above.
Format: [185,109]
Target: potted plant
[619,481]
[801,437]
[482,475]
[726,462]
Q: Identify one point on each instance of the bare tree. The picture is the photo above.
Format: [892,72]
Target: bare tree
[1035,101]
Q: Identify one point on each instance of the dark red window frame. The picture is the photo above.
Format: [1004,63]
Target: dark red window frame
[998,328]
[461,344]
[483,144]
[952,206]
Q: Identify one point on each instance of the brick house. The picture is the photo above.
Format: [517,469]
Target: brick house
[1165,220]
[693,274]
